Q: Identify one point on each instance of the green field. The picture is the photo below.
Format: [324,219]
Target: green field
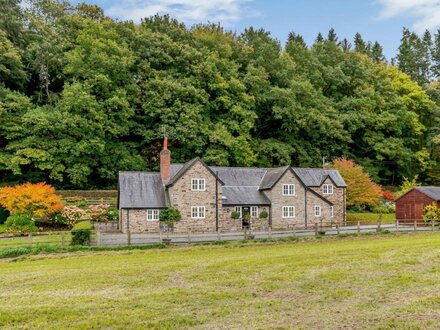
[369,218]
[382,282]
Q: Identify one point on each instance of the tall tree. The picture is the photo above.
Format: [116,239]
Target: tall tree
[331,36]
[376,53]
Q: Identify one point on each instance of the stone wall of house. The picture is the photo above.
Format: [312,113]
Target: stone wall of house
[275,195]
[136,220]
[183,198]
[325,217]
[337,198]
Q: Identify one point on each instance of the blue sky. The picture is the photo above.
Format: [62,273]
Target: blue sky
[380,20]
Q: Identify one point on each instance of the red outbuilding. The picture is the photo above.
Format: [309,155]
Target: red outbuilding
[409,206]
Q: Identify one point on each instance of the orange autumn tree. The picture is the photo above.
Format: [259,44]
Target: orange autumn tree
[36,200]
[361,189]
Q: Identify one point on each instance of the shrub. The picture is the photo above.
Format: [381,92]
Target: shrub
[235,215]
[431,213]
[264,214]
[71,214]
[113,215]
[169,215]
[81,233]
[4,214]
[99,212]
[18,223]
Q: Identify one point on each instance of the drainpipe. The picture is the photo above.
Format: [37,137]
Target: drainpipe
[305,206]
[216,202]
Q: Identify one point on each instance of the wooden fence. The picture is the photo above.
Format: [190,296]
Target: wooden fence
[58,238]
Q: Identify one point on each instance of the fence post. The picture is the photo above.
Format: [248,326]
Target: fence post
[433,224]
[219,236]
[379,224]
[294,230]
[98,238]
[397,225]
[30,239]
[270,232]
[415,225]
[245,233]
[189,236]
[359,227]
[316,229]
[337,229]
[128,237]
[63,238]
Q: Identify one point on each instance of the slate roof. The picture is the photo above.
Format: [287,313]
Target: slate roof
[272,176]
[141,190]
[239,176]
[433,192]
[314,177]
[246,195]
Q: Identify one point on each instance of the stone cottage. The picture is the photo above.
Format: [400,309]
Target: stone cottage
[207,197]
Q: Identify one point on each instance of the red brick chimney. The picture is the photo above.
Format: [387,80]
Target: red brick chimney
[165,162]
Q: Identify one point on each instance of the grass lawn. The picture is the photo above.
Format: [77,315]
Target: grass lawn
[52,238]
[383,282]
[369,218]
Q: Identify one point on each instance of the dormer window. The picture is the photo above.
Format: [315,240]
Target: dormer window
[288,189]
[327,189]
[198,184]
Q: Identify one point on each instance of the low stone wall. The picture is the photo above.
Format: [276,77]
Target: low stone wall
[106,226]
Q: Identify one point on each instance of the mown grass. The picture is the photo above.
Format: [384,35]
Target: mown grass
[374,282]
[369,218]
[50,238]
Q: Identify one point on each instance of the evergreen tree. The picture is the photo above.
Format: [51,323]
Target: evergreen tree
[294,37]
[426,50]
[377,53]
[359,44]
[331,36]
[410,56]
[319,38]
[345,45]
[435,52]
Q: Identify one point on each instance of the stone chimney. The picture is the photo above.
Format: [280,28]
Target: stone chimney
[165,162]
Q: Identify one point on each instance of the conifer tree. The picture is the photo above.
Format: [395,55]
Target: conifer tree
[435,54]
[377,53]
[359,44]
[319,38]
[332,35]
[345,45]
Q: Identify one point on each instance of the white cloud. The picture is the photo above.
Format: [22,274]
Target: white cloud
[189,11]
[425,12]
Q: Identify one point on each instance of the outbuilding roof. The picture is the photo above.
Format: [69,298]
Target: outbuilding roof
[430,191]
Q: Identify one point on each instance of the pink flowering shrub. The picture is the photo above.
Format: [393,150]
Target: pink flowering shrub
[72,214]
[99,212]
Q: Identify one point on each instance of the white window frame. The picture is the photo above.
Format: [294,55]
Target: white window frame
[254,211]
[239,209]
[332,211]
[289,189]
[288,212]
[317,208]
[198,212]
[153,214]
[327,189]
[198,184]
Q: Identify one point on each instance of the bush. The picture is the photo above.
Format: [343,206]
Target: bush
[170,215]
[18,223]
[235,215]
[264,214]
[71,214]
[99,212]
[4,214]
[113,215]
[82,233]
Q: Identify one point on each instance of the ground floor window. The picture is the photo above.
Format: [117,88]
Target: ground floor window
[288,211]
[152,215]
[317,210]
[198,212]
[238,209]
[254,211]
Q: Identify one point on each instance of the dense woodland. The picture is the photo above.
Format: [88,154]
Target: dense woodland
[83,96]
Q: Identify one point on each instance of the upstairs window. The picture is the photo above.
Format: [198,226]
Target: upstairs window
[288,189]
[317,210]
[198,184]
[327,189]
[254,211]
[198,212]
[152,215]
[288,211]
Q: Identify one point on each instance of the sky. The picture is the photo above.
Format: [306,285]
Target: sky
[380,20]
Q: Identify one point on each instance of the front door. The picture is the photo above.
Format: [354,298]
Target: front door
[246,217]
